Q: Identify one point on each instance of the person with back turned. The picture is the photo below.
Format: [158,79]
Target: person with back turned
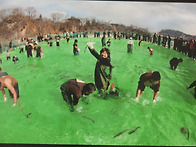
[149,79]
[77,89]
[11,84]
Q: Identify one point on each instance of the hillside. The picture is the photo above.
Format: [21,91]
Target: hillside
[16,26]
[175,33]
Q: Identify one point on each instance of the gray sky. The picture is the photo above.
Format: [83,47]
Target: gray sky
[151,15]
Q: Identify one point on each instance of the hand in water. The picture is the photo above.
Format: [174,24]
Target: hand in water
[14,105]
[79,109]
[137,99]
[5,99]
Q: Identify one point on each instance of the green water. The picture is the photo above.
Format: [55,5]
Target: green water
[51,122]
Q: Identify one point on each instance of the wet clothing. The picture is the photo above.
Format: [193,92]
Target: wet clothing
[8,55]
[75,49]
[145,80]
[108,43]
[10,44]
[103,72]
[15,59]
[57,41]
[174,63]
[103,41]
[29,49]
[130,46]
[72,87]
[151,51]
[38,50]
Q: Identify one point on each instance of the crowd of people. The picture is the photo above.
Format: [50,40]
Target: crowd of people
[73,89]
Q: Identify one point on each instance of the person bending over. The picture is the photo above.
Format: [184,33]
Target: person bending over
[11,84]
[77,89]
[174,63]
[151,80]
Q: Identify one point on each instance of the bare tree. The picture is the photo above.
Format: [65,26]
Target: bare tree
[58,16]
[31,12]
[17,11]
[4,13]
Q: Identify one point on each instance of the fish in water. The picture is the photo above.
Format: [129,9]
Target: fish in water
[121,133]
[134,130]
[28,115]
[89,119]
[185,131]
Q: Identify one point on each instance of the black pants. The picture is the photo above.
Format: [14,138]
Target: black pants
[17,91]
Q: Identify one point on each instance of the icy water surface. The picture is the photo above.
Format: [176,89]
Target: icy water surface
[115,121]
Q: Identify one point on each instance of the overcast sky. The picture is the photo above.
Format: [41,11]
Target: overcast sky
[151,15]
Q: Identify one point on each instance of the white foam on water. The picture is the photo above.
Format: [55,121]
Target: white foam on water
[145,102]
[128,94]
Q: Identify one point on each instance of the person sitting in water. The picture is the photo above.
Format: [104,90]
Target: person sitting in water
[77,89]
[151,80]
[174,63]
[15,59]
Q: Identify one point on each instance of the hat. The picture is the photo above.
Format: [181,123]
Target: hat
[130,38]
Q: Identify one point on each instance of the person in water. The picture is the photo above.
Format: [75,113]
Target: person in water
[103,68]
[11,84]
[151,80]
[77,89]
[174,63]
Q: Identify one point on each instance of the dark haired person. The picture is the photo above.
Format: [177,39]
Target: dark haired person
[28,49]
[103,68]
[3,73]
[38,50]
[75,47]
[103,40]
[193,85]
[15,59]
[11,84]
[150,50]
[149,79]
[77,88]
[130,45]
[174,63]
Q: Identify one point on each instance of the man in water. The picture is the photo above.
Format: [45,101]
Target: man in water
[11,84]
[174,63]
[151,80]
[77,88]
[130,45]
